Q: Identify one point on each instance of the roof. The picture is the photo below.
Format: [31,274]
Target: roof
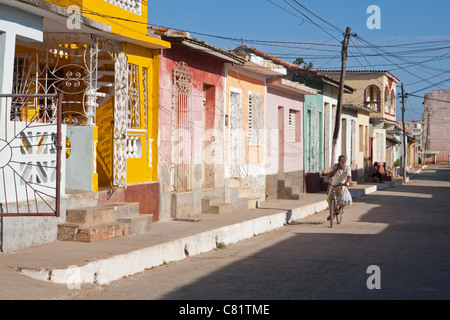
[363,71]
[381,119]
[184,38]
[290,86]
[55,21]
[292,66]
[357,107]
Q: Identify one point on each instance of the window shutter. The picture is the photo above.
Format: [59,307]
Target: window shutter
[291,126]
[255,114]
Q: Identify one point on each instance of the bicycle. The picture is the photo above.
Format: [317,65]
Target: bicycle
[335,206]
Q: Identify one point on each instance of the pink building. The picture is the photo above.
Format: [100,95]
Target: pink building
[283,124]
[284,152]
[191,123]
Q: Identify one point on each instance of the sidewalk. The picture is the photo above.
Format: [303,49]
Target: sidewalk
[72,263]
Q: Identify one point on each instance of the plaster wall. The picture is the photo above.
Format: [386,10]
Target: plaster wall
[436,128]
[207,133]
[287,157]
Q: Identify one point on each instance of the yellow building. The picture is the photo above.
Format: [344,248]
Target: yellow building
[245,130]
[133,49]
[375,94]
[99,55]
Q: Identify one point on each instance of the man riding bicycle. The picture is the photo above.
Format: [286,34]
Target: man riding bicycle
[341,174]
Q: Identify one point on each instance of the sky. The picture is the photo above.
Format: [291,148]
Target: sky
[412,39]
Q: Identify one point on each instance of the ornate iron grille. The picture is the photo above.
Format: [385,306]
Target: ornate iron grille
[235,134]
[182,127]
[314,137]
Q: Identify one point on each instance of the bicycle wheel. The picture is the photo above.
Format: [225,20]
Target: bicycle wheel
[332,211]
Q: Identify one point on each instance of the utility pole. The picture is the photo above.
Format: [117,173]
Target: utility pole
[404,134]
[337,126]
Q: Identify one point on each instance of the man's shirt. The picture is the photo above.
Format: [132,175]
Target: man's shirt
[342,174]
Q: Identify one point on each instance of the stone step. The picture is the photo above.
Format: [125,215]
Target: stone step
[215,205]
[295,196]
[91,216]
[140,224]
[71,231]
[125,209]
[103,222]
[246,203]
[287,191]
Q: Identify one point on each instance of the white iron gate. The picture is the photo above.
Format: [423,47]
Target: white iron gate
[182,127]
[30,154]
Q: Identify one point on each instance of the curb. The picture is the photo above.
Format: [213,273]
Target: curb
[103,271]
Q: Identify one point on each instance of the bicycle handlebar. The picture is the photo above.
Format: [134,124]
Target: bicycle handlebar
[338,185]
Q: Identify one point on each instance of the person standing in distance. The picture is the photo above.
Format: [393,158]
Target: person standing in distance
[341,173]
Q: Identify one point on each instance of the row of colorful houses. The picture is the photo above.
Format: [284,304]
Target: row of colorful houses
[155,116]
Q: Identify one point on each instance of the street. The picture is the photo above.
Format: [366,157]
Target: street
[392,244]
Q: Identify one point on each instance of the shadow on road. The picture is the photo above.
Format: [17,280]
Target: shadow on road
[317,262]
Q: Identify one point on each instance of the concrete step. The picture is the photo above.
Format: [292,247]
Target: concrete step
[140,224]
[246,203]
[103,222]
[215,205]
[91,216]
[287,191]
[125,209]
[71,231]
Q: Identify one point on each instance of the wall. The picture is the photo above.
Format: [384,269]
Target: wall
[436,129]
[207,71]
[253,167]
[145,168]
[316,102]
[292,152]
[79,164]
[124,26]
[329,122]
[14,23]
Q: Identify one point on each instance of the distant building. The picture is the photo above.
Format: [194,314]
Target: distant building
[436,133]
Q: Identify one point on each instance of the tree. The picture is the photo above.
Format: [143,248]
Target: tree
[302,63]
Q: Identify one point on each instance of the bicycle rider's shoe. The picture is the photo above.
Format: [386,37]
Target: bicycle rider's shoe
[340,211]
[329,217]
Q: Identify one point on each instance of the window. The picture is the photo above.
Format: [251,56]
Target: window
[386,100]
[393,103]
[255,119]
[361,138]
[294,126]
[372,98]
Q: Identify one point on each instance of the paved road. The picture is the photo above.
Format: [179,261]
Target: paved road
[404,232]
